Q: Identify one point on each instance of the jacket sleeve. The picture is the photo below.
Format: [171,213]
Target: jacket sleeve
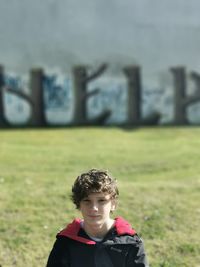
[137,256]
[59,255]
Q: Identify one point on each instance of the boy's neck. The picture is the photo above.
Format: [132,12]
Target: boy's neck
[98,231]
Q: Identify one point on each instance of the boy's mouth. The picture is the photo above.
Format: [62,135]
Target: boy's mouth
[94,216]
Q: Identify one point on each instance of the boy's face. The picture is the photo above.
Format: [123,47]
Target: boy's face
[96,209]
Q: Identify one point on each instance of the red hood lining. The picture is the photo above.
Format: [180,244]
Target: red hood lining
[122,227]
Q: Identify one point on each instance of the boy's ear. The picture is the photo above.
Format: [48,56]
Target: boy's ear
[113,204]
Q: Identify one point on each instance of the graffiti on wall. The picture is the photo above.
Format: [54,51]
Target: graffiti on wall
[58,98]
[104,99]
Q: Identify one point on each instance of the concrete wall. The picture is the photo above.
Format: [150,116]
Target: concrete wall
[155,34]
[57,34]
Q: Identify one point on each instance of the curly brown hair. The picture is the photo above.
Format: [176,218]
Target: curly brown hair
[93,181]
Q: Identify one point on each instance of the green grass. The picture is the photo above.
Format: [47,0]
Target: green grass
[158,172]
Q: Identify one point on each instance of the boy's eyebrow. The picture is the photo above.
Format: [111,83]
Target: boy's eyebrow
[102,197]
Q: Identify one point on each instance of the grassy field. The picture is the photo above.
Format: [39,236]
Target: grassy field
[158,171]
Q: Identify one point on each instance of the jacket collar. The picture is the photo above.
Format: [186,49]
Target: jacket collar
[123,227]
[71,231]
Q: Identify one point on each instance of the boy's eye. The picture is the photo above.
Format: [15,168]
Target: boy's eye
[102,200]
[86,200]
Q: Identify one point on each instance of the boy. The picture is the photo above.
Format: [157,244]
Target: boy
[97,240]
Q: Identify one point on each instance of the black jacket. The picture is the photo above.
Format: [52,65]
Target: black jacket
[121,247]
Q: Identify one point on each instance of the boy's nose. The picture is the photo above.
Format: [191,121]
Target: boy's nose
[94,206]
